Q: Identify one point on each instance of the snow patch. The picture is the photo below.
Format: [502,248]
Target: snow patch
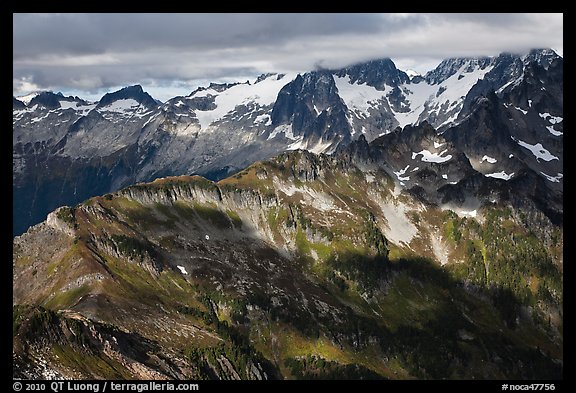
[150,119]
[553,131]
[411,73]
[538,150]
[265,118]
[553,179]
[182,269]
[445,176]
[521,110]
[121,106]
[437,145]
[428,156]
[552,119]
[37,119]
[68,104]
[285,129]
[299,144]
[27,98]
[401,172]
[500,175]
[489,159]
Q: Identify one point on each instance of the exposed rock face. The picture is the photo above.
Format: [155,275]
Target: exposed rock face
[300,259]
[131,92]
[313,108]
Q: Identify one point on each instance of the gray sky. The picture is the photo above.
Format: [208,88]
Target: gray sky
[172,54]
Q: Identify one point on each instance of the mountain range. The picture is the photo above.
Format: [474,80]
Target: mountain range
[349,224]
[66,149]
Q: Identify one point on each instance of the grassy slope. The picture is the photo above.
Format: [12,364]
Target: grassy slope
[408,318]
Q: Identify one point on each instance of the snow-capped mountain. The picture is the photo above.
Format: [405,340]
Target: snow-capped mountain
[66,149]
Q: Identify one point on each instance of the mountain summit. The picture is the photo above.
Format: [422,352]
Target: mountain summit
[135,93]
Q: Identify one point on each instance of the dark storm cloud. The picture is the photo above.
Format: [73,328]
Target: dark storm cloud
[91,51]
[37,35]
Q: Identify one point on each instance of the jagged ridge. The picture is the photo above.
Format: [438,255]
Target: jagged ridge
[304,255]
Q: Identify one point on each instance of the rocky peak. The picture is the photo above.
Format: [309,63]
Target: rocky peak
[46,99]
[358,150]
[312,104]
[220,87]
[449,67]
[376,73]
[543,57]
[131,92]
[266,76]
[17,104]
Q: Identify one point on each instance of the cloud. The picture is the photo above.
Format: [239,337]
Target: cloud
[98,51]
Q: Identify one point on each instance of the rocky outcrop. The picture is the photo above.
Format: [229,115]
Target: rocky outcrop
[109,353]
[62,219]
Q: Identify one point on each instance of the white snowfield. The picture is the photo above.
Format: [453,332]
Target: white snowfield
[182,269]
[263,93]
[359,98]
[539,151]
[500,175]
[121,106]
[28,97]
[69,104]
[423,96]
[420,97]
[432,157]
